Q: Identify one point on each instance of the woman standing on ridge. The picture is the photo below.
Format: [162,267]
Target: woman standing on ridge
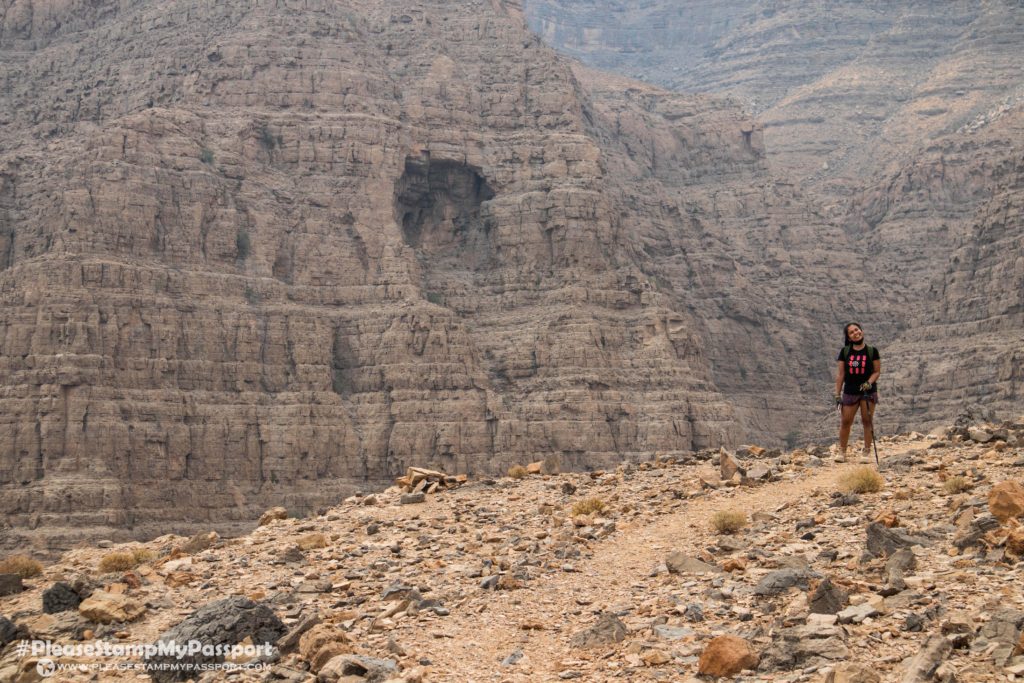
[858,368]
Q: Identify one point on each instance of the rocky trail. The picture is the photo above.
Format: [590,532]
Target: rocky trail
[613,577]
[752,564]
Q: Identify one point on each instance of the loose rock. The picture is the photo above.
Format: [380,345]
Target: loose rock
[727,656]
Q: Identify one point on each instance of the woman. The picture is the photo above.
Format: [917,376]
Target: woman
[858,367]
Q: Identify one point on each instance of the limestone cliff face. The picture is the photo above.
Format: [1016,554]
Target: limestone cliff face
[966,343]
[257,254]
[902,122]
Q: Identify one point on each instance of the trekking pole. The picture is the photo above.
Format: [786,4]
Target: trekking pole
[873,444]
[864,397]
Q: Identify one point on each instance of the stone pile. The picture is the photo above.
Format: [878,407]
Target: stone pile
[422,481]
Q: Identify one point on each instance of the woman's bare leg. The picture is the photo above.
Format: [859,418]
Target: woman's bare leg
[846,423]
[867,414]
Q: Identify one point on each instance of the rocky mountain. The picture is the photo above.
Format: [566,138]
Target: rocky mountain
[901,122]
[267,254]
[745,564]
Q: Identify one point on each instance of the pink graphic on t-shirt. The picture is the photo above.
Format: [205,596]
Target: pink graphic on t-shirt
[857,365]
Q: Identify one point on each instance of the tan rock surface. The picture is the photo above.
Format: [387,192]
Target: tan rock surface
[727,656]
[105,607]
[1006,500]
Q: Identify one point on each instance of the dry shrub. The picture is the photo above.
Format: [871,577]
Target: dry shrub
[143,555]
[956,485]
[118,561]
[517,471]
[22,565]
[587,506]
[312,541]
[728,521]
[861,480]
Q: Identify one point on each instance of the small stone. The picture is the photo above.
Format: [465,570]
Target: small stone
[844,500]
[927,660]
[857,613]
[655,657]
[10,631]
[975,533]
[399,591]
[201,542]
[327,652]
[272,514]
[176,565]
[412,498]
[901,561]
[759,473]
[821,622]
[290,640]
[979,435]
[60,597]
[883,541]
[888,518]
[694,612]
[10,584]
[680,563]
[734,564]
[826,598]
[848,672]
[914,623]
[608,629]
[291,554]
[729,466]
[1006,500]
[781,580]
[727,656]
[666,632]
[343,666]
[104,607]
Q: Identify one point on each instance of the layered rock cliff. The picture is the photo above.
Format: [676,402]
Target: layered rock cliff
[902,122]
[261,254]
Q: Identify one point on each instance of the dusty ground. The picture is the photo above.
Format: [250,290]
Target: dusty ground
[556,572]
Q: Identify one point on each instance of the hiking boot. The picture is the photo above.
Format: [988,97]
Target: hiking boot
[865,455]
[841,456]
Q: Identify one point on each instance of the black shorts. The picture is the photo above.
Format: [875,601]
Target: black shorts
[854,399]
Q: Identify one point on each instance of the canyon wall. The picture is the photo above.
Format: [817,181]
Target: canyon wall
[272,253]
[901,122]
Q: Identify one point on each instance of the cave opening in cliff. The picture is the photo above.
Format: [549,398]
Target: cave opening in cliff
[440,206]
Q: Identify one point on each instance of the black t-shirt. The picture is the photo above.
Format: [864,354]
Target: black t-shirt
[858,368]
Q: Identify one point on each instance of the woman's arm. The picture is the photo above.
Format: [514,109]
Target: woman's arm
[877,370]
[840,375]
